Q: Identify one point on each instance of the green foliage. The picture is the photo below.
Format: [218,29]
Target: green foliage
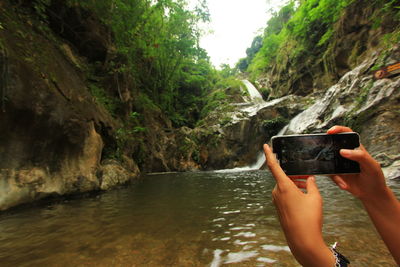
[326,37]
[129,135]
[381,61]
[273,126]
[362,97]
[144,102]
[391,38]
[386,8]
[226,71]
[40,7]
[314,17]
[225,120]
[250,52]
[268,52]
[279,19]
[103,99]
[227,89]
[356,122]
[157,44]
[295,33]
[265,92]
[196,82]
[214,100]
[243,64]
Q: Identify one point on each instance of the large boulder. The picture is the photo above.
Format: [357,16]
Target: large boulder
[51,128]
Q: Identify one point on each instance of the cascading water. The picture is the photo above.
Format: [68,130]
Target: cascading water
[260,158]
[255,95]
[358,97]
[253,167]
[313,116]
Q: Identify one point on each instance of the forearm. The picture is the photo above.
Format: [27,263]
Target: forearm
[384,211]
[315,254]
[317,257]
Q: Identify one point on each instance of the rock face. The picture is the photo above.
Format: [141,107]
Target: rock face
[239,141]
[356,35]
[368,106]
[51,128]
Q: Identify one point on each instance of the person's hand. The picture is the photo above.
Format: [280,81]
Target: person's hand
[370,182]
[370,187]
[300,215]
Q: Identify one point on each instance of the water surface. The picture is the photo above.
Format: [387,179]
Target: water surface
[183,219]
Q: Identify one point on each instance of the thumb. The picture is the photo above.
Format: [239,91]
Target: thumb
[311,186]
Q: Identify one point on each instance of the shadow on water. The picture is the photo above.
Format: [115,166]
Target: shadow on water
[179,219]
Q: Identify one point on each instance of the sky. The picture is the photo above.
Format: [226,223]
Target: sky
[234,24]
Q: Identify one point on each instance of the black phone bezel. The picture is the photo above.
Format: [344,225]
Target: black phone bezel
[340,164]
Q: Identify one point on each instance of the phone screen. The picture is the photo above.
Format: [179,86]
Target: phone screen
[315,153]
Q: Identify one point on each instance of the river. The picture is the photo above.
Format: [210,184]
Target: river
[182,219]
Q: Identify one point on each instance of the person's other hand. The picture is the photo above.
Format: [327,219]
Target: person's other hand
[370,181]
[300,215]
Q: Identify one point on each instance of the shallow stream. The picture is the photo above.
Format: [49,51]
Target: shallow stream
[183,219]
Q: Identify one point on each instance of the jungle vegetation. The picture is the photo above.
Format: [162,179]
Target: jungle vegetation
[304,29]
[156,49]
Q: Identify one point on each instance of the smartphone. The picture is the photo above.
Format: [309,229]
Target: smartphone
[315,153]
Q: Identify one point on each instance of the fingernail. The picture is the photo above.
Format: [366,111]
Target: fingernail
[346,152]
[333,127]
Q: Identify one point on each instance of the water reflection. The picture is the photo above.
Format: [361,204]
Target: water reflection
[191,219]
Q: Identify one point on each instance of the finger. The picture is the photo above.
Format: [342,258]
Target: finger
[361,156]
[273,166]
[339,129]
[311,186]
[361,147]
[339,182]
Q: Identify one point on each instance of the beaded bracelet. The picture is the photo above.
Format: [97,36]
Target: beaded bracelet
[340,260]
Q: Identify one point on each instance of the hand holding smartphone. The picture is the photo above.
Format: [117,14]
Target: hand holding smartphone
[315,154]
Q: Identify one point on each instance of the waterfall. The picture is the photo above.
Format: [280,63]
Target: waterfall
[255,95]
[252,110]
[258,164]
[255,166]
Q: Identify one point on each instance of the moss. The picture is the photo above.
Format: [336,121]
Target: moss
[265,92]
[4,76]
[355,52]
[189,148]
[362,97]
[101,97]
[273,126]
[381,61]
[326,37]
[144,102]
[356,122]
[225,120]
[196,156]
